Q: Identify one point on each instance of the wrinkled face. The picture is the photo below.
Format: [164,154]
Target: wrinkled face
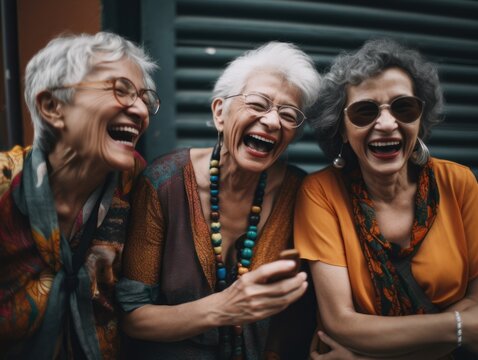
[97,127]
[383,147]
[255,142]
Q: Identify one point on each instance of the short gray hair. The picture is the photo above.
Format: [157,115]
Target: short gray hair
[371,59]
[284,58]
[67,59]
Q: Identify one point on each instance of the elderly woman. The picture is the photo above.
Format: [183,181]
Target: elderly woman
[64,201]
[390,233]
[209,223]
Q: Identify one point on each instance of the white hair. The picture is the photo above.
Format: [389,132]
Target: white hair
[284,58]
[68,60]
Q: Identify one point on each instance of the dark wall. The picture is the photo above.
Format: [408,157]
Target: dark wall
[193,41]
[38,22]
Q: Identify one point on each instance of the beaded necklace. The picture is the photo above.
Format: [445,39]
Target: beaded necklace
[245,254]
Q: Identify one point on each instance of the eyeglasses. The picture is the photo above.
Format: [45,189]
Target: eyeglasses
[405,109]
[124,91]
[258,104]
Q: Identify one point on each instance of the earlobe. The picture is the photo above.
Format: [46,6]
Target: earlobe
[50,109]
[217,107]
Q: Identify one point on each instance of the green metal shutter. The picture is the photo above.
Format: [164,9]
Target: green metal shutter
[200,37]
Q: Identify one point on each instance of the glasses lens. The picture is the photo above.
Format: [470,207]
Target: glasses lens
[125,91]
[260,105]
[406,109]
[152,101]
[257,103]
[362,113]
[290,116]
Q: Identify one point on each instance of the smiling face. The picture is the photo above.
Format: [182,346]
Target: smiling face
[96,127]
[255,142]
[385,146]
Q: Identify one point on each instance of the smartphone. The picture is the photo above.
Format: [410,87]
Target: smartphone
[288,254]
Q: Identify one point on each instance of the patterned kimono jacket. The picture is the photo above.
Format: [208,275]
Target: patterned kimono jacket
[176,264]
[36,309]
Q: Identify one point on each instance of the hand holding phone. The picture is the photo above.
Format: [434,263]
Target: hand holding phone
[288,254]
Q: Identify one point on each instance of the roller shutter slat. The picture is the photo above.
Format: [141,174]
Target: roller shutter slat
[210,33]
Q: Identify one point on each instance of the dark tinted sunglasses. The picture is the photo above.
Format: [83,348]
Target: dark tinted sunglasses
[406,109]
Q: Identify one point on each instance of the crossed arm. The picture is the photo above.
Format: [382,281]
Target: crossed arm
[404,337]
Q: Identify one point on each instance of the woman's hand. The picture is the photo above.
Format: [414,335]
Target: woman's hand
[314,344]
[337,351]
[101,263]
[249,299]
[252,298]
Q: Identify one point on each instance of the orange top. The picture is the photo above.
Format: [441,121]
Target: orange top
[447,260]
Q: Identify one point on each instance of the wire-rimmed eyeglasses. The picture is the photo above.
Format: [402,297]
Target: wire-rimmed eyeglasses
[124,91]
[258,104]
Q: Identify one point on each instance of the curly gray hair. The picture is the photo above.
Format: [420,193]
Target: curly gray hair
[351,69]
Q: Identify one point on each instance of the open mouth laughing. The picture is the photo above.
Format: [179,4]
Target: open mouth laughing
[123,134]
[259,143]
[385,147]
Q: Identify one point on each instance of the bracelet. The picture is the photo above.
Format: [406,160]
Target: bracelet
[459,331]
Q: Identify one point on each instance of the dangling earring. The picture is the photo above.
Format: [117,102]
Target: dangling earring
[220,138]
[339,161]
[421,154]
[216,152]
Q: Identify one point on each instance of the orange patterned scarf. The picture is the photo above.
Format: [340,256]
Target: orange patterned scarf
[392,295]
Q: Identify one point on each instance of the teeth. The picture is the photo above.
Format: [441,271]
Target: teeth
[129,129]
[262,139]
[384,143]
[125,142]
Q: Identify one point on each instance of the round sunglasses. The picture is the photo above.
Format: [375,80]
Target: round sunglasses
[405,109]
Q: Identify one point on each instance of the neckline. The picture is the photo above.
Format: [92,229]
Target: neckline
[201,231]
[245,252]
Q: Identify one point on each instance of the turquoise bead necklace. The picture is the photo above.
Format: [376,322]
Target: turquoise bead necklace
[246,252]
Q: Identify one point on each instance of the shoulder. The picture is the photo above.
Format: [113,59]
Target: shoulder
[296,172]
[167,166]
[442,166]
[13,159]
[129,178]
[326,186]
[11,163]
[328,178]
[452,174]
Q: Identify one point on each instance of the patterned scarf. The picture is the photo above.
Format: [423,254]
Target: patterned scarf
[392,295]
[34,258]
